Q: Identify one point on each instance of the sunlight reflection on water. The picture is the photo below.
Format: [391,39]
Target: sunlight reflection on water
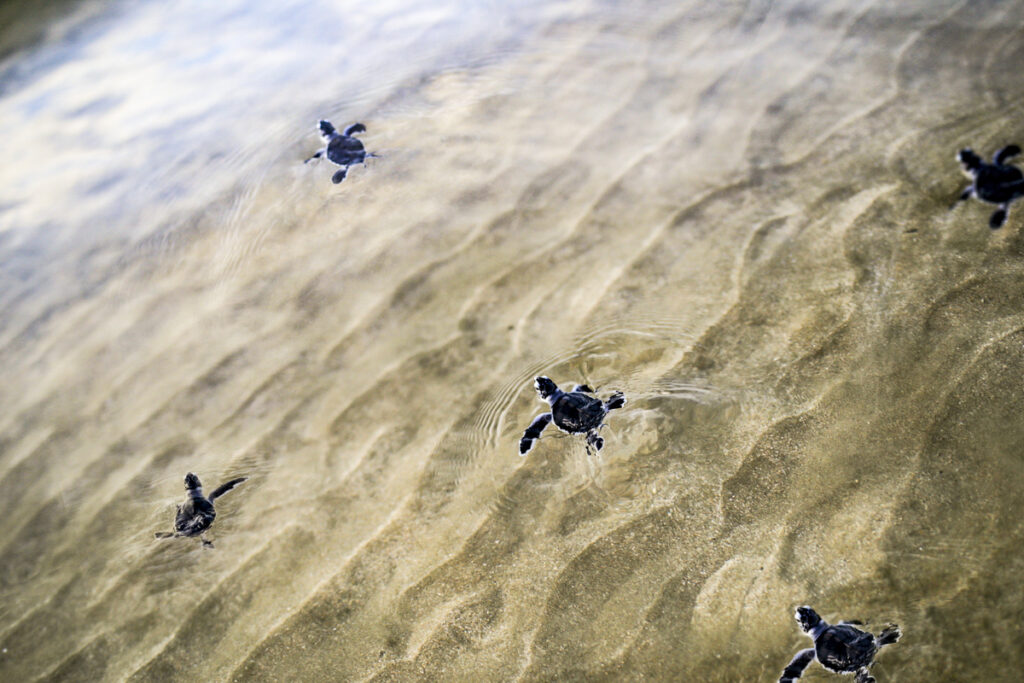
[704,206]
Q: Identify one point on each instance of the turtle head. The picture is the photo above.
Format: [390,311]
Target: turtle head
[192,482]
[545,387]
[807,618]
[326,129]
[969,160]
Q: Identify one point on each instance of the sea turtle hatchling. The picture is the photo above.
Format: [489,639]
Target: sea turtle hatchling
[343,149]
[196,514]
[574,412]
[995,183]
[841,648]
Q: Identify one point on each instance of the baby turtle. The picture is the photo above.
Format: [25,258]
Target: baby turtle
[574,412]
[342,148]
[196,514]
[841,648]
[995,183]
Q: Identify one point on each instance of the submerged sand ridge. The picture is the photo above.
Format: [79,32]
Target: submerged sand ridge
[708,208]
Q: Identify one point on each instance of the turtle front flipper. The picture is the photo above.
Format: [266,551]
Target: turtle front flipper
[224,488]
[532,432]
[165,534]
[1006,153]
[339,176]
[355,128]
[319,154]
[585,388]
[615,401]
[964,196]
[796,666]
[889,635]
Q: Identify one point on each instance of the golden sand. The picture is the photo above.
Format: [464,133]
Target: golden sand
[737,213]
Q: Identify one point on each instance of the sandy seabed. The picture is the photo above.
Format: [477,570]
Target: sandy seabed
[737,213]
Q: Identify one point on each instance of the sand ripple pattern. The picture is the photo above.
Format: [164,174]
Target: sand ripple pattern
[736,213]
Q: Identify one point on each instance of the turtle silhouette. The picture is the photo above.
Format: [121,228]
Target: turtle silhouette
[996,183]
[196,514]
[343,149]
[842,648]
[575,412]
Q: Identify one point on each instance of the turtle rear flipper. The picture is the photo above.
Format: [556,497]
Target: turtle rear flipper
[863,676]
[339,176]
[192,527]
[997,219]
[224,488]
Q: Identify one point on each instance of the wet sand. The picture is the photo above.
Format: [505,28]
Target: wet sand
[736,214]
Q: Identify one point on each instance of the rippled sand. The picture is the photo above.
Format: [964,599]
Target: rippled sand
[736,213]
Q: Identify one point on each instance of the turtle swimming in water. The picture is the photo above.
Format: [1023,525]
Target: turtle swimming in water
[574,412]
[841,648]
[196,514]
[343,149]
[995,183]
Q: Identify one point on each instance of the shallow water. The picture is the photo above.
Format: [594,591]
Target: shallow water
[737,213]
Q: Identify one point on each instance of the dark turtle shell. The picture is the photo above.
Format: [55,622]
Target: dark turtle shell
[194,517]
[577,412]
[345,150]
[844,648]
[995,183]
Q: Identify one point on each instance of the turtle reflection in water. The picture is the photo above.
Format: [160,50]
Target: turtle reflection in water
[995,183]
[343,149]
[574,412]
[841,648]
[196,514]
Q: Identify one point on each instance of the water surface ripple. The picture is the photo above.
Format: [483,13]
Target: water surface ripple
[736,213]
